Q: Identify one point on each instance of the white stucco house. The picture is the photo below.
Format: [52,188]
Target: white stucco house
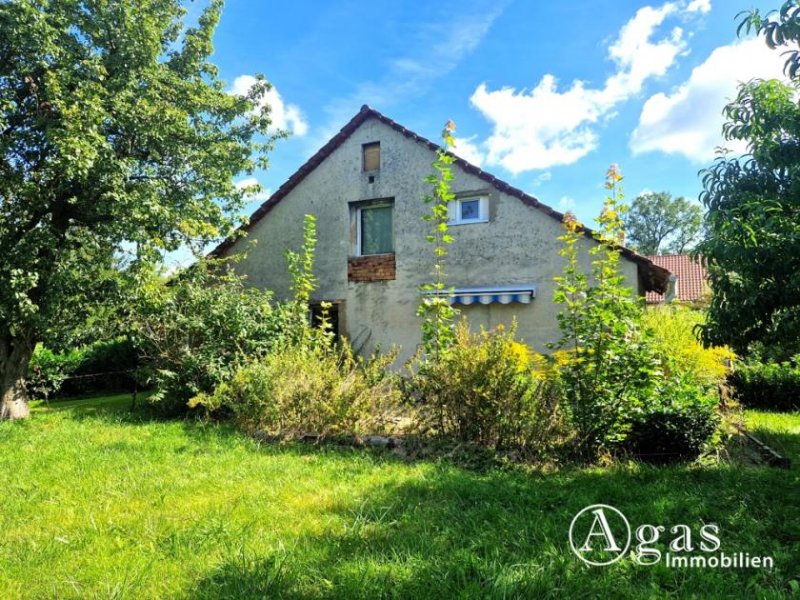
[365,187]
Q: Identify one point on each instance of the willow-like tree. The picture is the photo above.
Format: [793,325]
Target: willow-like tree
[115,134]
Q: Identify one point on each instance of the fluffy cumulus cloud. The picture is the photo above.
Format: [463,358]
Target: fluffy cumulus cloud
[551,125]
[467,149]
[689,120]
[284,116]
[701,6]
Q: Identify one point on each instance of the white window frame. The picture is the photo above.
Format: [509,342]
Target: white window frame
[454,210]
[358,227]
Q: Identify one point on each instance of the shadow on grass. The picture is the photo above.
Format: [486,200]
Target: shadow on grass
[457,533]
[785,443]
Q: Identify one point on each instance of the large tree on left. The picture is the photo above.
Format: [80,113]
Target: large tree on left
[115,135]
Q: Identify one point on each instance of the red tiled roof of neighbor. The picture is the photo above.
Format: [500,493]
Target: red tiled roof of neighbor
[653,277]
[691,273]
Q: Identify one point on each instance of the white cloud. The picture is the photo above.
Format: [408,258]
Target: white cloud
[701,6]
[689,120]
[549,126]
[566,203]
[284,116]
[249,182]
[469,151]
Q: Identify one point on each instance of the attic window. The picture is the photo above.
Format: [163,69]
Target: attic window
[371,154]
[469,210]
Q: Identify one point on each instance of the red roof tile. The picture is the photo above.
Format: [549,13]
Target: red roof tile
[692,283]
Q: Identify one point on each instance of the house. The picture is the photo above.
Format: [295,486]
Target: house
[688,279]
[365,187]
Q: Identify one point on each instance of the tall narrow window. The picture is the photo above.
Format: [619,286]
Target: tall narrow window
[372,156]
[375,230]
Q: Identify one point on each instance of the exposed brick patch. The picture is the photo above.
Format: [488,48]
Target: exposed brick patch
[379,267]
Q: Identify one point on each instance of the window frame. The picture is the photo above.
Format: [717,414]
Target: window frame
[370,206]
[364,148]
[454,210]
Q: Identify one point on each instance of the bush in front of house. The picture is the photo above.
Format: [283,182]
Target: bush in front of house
[205,324]
[674,331]
[625,388]
[677,425]
[609,366]
[199,329]
[320,388]
[768,385]
[484,390]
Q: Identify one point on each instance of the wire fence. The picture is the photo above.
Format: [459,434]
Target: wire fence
[133,387]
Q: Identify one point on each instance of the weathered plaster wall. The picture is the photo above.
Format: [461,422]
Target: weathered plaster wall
[518,245]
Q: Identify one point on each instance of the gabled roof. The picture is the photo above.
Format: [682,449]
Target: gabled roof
[691,274]
[655,278]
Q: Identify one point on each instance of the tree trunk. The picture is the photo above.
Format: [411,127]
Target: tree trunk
[15,353]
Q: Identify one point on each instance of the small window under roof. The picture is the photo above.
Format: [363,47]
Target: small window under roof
[371,156]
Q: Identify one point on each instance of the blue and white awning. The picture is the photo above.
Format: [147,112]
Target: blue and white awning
[506,294]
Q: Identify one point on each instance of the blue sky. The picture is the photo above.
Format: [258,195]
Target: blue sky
[544,94]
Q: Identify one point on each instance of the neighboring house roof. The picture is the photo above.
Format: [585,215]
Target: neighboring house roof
[654,277]
[692,277]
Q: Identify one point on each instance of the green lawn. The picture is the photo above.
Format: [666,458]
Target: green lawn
[781,431]
[98,502]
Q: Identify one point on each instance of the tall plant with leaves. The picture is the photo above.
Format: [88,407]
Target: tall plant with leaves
[301,270]
[438,315]
[609,367]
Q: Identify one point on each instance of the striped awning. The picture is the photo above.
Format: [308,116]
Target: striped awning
[521,294]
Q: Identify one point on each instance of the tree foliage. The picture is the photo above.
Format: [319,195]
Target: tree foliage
[657,223]
[753,202]
[117,138]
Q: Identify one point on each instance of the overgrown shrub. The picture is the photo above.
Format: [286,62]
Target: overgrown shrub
[674,336]
[610,368]
[200,329]
[483,390]
[316,388]
[769,385]
[630,386]
[677,425]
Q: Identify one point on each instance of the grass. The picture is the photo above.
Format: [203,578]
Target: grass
[779,430]
[99,502]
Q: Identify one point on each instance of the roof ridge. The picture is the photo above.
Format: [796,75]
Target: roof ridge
[658,275]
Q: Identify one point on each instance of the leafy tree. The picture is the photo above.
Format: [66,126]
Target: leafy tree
[116,136]
[657,223]
[753,219]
